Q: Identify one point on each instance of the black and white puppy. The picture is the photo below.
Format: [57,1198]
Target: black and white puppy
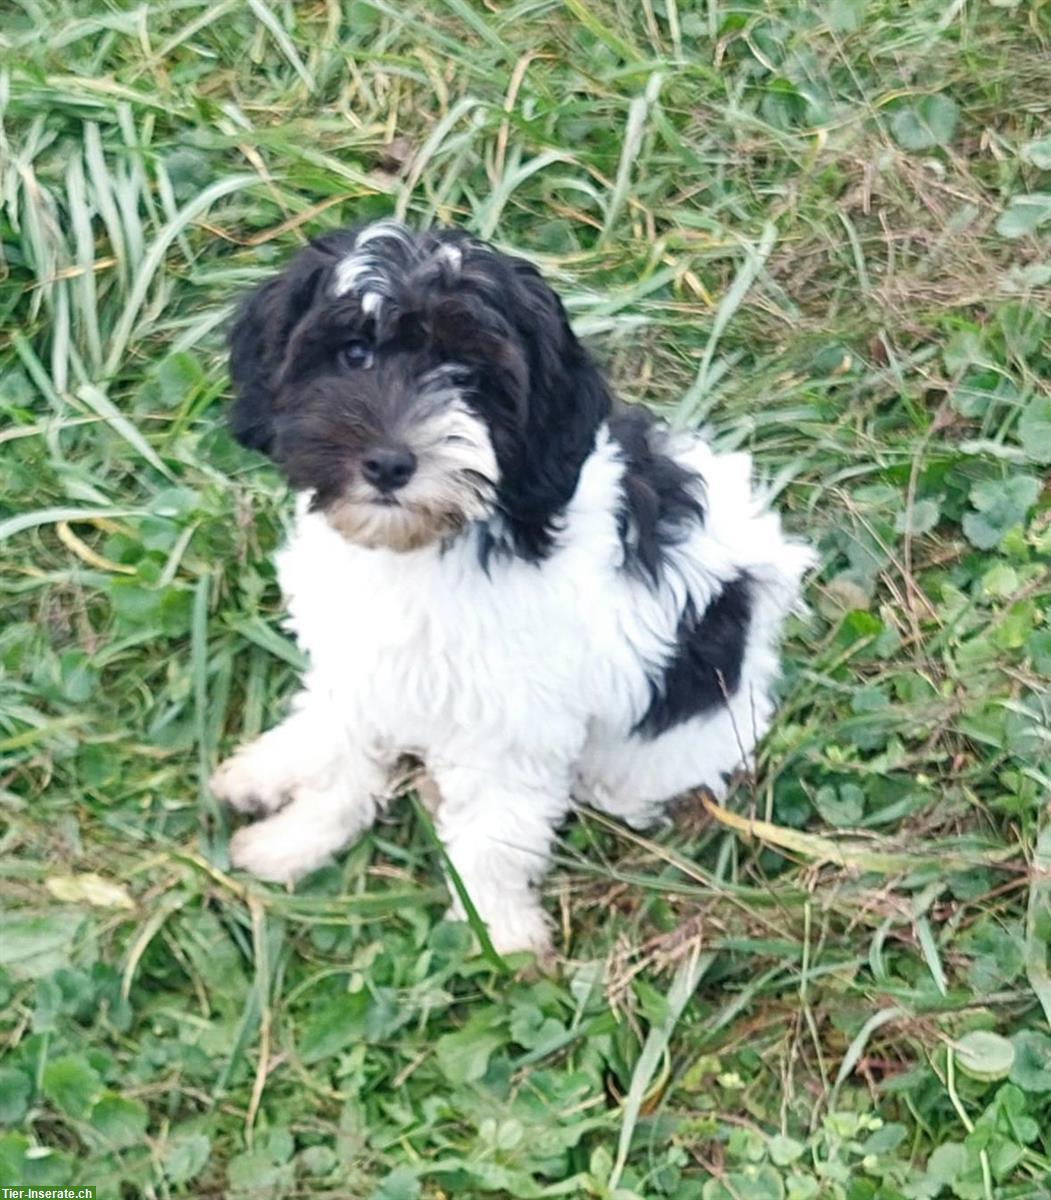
[494,568]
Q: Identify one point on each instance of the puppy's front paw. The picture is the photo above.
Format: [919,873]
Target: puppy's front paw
[241,782]
[525,931]
[276,852]
[518,930]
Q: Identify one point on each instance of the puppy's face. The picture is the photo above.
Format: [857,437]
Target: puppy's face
[393,376]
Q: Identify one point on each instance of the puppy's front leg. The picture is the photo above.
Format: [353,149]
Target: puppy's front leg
[322,791]
[497,826]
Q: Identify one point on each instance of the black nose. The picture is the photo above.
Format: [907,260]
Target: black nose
[388,467]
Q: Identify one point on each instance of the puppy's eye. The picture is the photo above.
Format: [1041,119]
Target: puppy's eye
[358,354]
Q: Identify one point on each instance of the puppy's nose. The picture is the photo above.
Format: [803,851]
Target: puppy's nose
[388,467]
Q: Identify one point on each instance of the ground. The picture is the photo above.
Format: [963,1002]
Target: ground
[817,229]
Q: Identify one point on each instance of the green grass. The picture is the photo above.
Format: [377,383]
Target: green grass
[818,228]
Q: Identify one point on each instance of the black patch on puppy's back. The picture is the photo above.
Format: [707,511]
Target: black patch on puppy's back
[661,497]
[661,504]
[706,666]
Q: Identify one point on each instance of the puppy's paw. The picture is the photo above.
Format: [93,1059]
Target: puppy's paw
[519,931]
[528,932]
[242,782]
[276,852]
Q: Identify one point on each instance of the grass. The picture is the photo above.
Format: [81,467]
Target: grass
[819,229]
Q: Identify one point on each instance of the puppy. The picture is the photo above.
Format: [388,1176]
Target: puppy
[494,567]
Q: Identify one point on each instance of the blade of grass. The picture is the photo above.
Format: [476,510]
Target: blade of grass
[925,935]
[267,638]
[261,987]
[634,131]
[284,42]
[601,30]
[103,406]
[429,149]
[104,197]
[688,975]
[478,926]
[213,819]
[122,331]
[474,20]
[693,407]
[87,307]
[857,1046]
[489,216]
[36,370]
[48,516]
[1038,914]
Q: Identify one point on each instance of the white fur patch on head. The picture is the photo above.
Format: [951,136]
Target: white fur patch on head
[365,271]
[451,255]
[362,270]
[360,273]
[350,273]
[394,230]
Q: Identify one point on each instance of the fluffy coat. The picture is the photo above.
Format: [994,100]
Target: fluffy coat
[561,603]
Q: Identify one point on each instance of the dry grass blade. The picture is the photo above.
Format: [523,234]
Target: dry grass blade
[852,854]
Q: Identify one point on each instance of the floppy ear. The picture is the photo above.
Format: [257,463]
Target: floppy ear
[566,382]
[252,366]
[258,343]
[569,397]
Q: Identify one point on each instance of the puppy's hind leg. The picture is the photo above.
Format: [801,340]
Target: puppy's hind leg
[321,792]
[305,751]
[315,824]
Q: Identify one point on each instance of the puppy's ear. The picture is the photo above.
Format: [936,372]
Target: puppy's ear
[569,393]
[251,418]
[258,343]
[560,366]
[566,400]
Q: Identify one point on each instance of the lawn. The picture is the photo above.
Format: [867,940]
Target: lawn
[818,229]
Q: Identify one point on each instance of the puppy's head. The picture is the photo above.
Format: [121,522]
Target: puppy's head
[414,384]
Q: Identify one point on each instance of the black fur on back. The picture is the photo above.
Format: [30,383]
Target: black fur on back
[662,502]
[662,498]
[706,666]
